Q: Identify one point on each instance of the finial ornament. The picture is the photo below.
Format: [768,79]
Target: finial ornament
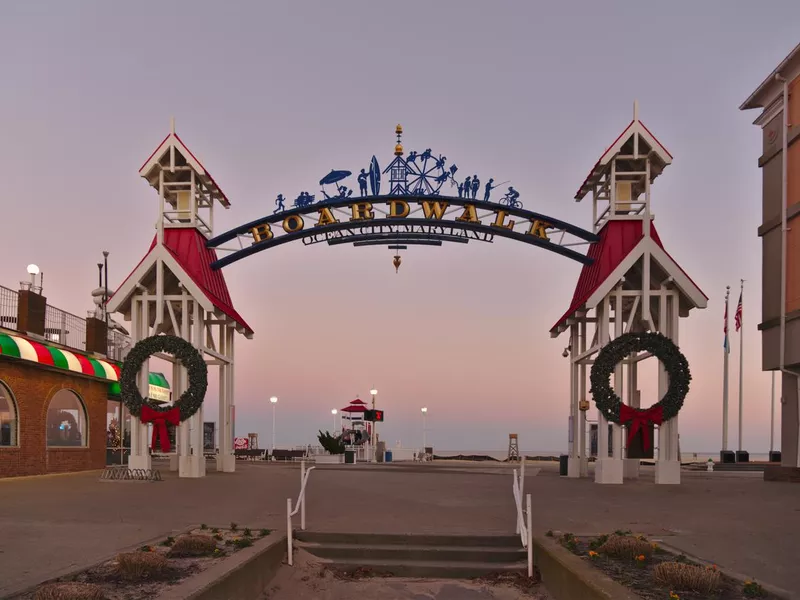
[396,262]
[172,124]
[398,149]
[635,110]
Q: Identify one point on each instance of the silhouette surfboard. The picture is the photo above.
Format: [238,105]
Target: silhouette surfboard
[375,177]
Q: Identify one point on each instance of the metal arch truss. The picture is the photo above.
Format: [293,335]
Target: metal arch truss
[403,219]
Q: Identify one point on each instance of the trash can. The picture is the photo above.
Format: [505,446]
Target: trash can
[563,467]
[388,456]
[349,457]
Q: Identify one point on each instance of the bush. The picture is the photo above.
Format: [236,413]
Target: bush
[625,546]
[688,577]
[135,566]
[71,590]
[193,545]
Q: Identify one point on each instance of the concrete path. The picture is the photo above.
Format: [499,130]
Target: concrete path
[55,524]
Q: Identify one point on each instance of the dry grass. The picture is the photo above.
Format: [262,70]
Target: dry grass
[625,546]
[687,577]
[136,566]
[69,591]
[193,544]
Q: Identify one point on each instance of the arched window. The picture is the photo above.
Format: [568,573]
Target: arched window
[66,420]
[8,417]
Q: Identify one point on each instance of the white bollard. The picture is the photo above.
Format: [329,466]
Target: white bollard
[289,529]
[710,465]
[303,498]
[530,537]
[522,478]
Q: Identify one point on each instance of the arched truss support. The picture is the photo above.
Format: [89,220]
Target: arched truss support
[405,220]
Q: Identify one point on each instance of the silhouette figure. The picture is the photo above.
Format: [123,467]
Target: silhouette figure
[412,156]
[279,204]
[467,186]
[460,190]
[362,182]
[488,189]
[476,185]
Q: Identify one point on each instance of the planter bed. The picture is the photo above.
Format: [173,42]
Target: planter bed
[150,570]
[639,568]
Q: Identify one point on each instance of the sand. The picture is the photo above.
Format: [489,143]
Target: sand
[308,580]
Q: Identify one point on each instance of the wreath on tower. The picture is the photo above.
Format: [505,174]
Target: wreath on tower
[612,407]
[148,411]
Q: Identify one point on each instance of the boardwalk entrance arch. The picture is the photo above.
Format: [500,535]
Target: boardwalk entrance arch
[629,283]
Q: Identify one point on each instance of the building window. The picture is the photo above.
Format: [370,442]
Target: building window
[66,420]
[8,417]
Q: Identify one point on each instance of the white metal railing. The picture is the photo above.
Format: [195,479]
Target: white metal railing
[301,506]
[8,307]
[523,516]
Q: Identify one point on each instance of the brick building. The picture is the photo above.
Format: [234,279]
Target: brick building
[778,97]
[59,390]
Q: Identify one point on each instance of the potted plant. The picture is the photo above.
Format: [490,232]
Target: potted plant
[333,445]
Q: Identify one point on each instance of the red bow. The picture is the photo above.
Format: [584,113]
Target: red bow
[159,419]
[639,419]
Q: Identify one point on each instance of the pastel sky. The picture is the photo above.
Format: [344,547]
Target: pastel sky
[271,96]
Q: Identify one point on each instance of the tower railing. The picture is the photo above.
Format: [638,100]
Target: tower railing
[524,517]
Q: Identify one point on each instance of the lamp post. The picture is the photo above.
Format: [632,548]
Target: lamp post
[374,393]
[424,431]
[274,401]
[333,412]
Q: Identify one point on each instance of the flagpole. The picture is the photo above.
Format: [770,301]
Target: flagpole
[725,378]
[741,361]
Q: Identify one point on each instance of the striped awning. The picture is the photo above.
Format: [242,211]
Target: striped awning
[14,346]
[18,347]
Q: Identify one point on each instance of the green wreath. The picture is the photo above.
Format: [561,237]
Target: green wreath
[665,350]
[190,401]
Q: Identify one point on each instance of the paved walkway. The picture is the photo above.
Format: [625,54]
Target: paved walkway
[55,524]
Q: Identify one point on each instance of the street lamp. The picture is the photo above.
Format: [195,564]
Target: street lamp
[274,401]
[374,393]
[333,412]
[424,431]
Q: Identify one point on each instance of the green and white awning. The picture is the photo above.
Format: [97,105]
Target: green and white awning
[14,346]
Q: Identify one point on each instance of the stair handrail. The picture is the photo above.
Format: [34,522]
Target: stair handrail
[300,505]
[524,528]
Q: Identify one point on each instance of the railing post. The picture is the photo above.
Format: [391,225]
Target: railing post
[530,536]
[522,478]
[289,529]
[302,495]
[516,500]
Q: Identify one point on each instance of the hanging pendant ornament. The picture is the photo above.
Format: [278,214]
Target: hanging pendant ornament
[396,262]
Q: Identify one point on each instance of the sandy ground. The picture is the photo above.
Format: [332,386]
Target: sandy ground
[307,580]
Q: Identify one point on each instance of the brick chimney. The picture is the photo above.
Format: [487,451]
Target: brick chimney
[96,336]
[30,312]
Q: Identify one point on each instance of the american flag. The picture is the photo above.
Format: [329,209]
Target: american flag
[737,318]
[726,344]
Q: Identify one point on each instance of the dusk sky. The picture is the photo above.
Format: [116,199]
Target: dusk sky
[273,95]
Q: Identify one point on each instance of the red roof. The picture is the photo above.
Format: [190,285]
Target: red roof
[597,164]
[617,240]
[188,247]
[224,199]
[354,408]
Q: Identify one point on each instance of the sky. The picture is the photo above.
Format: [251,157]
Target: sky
[272,96]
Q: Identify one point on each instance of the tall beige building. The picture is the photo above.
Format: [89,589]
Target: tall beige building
[778,97]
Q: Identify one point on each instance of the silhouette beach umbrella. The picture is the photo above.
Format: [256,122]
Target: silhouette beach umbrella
[334,177]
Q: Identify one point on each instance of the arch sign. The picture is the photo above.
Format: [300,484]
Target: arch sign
[405,204]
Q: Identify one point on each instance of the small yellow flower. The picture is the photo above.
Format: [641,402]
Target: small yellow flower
[748,582]
[592,554]
[674,596]
[654,545]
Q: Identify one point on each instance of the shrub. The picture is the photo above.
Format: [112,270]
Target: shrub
[71,590]
[625,546]
[234,526]
[332,444]
[193,545]
[598,541]
[247,532]
[264,532]
[753,589]
[688,577]
[168,542]
[203,526]
[242,542]
[135,566]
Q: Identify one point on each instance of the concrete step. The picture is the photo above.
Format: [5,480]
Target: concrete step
[417,553]
[426,569]
[389,539]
